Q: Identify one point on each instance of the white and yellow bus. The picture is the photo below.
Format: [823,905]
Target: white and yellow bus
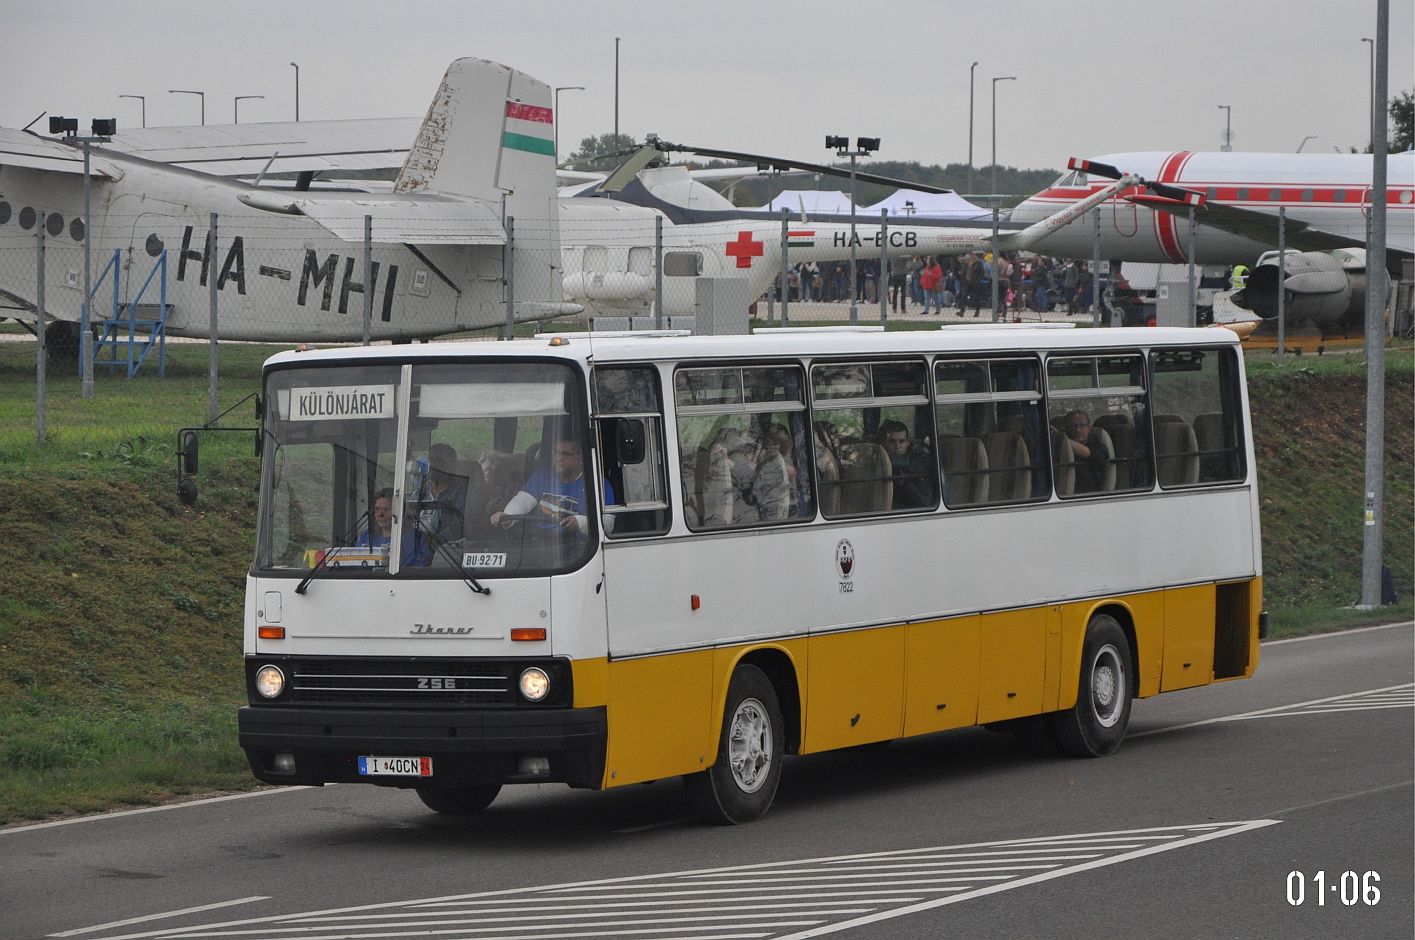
[625,558]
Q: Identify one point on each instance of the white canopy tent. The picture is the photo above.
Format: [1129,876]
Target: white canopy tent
[809,201]
[911,202]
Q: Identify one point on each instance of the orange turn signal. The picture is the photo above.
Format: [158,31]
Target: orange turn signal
[528,633]
[694,601]
[270,633]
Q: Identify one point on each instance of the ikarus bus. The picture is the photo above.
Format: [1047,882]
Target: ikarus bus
[602,560]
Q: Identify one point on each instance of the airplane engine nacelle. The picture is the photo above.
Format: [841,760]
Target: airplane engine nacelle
[611,286]
[1320,287]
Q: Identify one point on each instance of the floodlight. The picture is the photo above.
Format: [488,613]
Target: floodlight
[105,127]
[867,144]
[837,143]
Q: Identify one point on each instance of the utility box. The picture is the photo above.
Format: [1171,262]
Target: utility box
[720,305]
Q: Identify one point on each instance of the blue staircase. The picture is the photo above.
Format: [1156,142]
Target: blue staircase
[133,329]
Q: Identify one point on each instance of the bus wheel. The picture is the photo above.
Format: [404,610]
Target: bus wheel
[741,784]
[459,801]
[1096,726]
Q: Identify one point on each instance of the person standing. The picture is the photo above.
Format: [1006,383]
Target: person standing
[929,280]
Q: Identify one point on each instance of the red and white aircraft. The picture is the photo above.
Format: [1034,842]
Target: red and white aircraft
[1327,198]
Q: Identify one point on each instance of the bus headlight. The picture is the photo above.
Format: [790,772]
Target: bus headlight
[269,681]
[535,684]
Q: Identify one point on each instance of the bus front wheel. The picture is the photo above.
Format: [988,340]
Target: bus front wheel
[741,784]
[458,801]
[1096,726]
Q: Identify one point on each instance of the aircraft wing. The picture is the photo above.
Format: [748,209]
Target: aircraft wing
[421,220]
[18,148]
[303,146]
[1259,226]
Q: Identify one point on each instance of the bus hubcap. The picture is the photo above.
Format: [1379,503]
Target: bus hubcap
[1106,677]
[749,745]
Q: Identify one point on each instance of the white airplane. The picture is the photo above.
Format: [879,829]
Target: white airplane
[482,156]
[483,152]
[1327,199]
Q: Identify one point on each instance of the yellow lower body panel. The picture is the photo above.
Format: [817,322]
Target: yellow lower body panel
[855,689]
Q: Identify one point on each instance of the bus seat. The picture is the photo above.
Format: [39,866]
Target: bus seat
[1108,474]
[1214,457]
[1176,452]
[771,487]
[1009,466]
[1063,464]
[867,478]
[1121,430]
[965,465]
[828,471]
[504,475]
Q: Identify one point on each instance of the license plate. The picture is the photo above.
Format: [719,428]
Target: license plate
[484,560]
[395,766]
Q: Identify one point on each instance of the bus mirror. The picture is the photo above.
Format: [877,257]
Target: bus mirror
[187,491]
[629,441]
[259,408]
[189,452]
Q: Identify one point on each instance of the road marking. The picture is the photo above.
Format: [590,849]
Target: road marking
[165,914]
[785,900]
[1391,696]
[99,817]
[1337,633]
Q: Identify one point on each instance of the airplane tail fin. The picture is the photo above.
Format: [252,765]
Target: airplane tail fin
[489,135]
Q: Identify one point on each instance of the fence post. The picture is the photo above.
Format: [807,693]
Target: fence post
[1282,282]
[785,268]
[39,326]
[1096,268]
[212,270]
[882,281]
[85,348]
[509,267]
[1193,286]
[658,272]
[368,280]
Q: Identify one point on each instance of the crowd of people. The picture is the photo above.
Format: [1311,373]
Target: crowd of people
[962,283]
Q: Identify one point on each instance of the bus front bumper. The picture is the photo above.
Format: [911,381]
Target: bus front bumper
[315,746]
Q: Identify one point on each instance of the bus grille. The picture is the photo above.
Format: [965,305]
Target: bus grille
[405,682]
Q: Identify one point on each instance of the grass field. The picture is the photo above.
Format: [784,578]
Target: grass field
[120,637]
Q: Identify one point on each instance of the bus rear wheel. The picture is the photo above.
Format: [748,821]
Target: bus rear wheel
[740,785]
[459,801]
[1096,726]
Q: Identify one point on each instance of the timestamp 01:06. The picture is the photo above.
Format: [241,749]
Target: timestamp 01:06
[1348,887]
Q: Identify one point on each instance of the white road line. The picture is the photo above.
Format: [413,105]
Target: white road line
[1034,879]
[100,817]
[1267,711]
[794,897]
[151,917]
[1338,633]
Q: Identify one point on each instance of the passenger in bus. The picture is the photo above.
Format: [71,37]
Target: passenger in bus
[786,447]
[909,467]
[1088,451]
[760,487]
[557,493]
[447,493]
[379,534]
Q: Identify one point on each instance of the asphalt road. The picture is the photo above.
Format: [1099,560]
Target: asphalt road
[1191,830]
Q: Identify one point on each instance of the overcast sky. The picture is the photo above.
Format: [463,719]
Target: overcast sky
[1092,76]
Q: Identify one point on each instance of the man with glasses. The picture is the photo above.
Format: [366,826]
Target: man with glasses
[555,495]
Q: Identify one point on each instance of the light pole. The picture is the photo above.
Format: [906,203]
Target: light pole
[1001,78]
[864,146]
[142,99]
[1371,90]
[1304,141]
[183,91]
[971,68]
[616,88]
[555,118]
[297,91]
[1227,127]
[236,106]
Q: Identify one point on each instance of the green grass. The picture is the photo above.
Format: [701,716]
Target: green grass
[120,637]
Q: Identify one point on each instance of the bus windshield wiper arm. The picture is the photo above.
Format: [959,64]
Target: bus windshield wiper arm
[324,559]
[440,544]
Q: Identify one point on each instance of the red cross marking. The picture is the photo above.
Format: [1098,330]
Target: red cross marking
[744,249]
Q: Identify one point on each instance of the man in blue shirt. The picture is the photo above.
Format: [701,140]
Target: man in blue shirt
[556,492]
[380,530]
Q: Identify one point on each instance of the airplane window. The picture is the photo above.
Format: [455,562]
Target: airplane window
[1274,195]
[1243,195]
[596,259]
[1406,197]
[641,261]
[1339,195]
[1306,195]
[1063,180]
[1213,192]
[682,263]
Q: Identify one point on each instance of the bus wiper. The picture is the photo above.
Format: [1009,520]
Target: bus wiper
[324,559]
[440,545]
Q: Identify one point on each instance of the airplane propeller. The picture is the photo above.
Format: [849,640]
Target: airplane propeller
[1186,196]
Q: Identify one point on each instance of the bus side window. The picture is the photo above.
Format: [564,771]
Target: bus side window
[629,420]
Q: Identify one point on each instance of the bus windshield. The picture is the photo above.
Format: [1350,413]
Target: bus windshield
[468,468]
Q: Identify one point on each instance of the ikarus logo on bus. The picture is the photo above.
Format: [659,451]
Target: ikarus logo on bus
[845,565]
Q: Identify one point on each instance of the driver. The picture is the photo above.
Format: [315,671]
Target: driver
[557,491]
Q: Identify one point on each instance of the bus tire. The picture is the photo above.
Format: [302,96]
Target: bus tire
[740,785]
[1096,725]
[459,801]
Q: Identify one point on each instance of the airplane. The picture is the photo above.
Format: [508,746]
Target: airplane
[1327,201]
[482,153]
[482,158]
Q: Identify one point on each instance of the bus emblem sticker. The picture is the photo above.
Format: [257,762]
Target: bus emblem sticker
[845,564]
